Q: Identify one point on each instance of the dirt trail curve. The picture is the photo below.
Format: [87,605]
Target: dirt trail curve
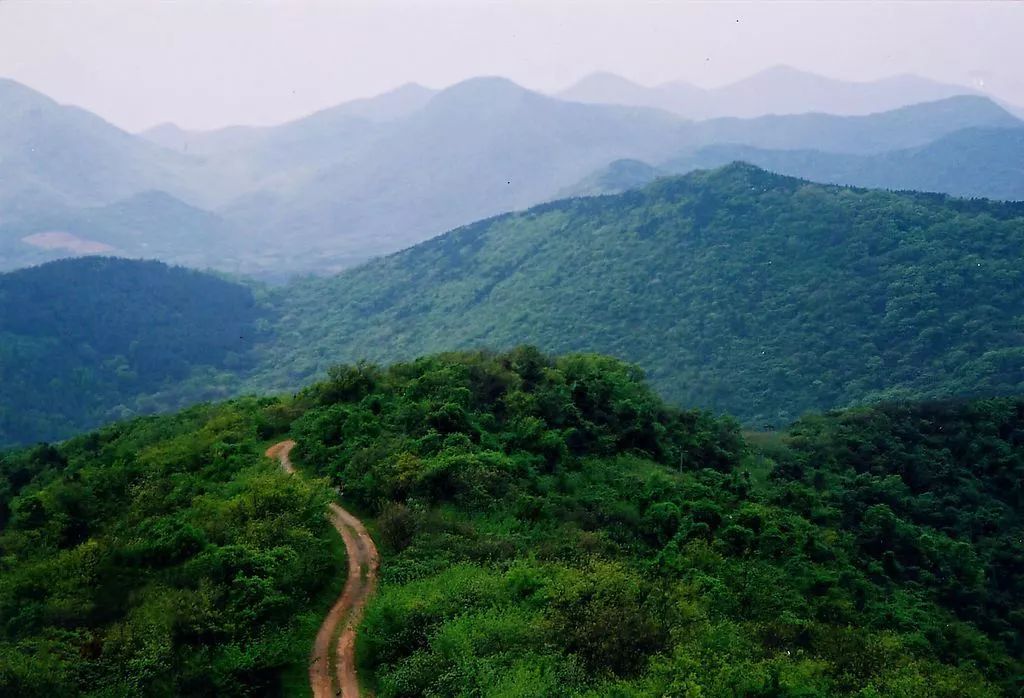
[343,618]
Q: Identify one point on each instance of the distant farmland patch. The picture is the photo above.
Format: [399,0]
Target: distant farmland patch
[58,240]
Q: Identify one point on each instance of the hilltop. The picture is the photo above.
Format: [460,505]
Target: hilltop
[547,525]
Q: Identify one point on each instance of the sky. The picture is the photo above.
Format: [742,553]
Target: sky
[210,63]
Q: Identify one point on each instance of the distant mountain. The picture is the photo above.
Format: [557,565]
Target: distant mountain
[330,190]
[88,341]
[52,154]
[972,163]
[616,177]
[778,90]
[607,88]
[975,162]
[389,106]
[479,148]
[202,143]
[735,289]
[905,127]
[488,146]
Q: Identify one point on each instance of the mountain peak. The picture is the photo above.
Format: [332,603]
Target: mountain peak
[782,76]
[480,91]
[492,84]
[603,78]
[963,106]
[743,171]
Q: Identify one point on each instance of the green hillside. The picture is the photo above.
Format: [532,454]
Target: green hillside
[88,341]
[548,526]
[736,290]
[160,557]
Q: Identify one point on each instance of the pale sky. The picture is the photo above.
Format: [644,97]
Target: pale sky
[204,63]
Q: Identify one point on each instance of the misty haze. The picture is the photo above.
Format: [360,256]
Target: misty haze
[511,349]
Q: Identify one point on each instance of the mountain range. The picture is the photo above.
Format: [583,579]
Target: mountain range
[776,90]
[735,289]
[369,177]
[973,162]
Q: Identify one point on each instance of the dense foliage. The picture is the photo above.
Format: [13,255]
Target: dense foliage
[735,289]
[164,556]
[550,528]
[88,341]
[932,495]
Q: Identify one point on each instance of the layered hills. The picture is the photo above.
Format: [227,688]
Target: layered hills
[777,90]
[374,176]
[974,162]
[736,290]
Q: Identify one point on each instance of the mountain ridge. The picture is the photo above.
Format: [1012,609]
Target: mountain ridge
[336,188]
[775,90]
[972,162]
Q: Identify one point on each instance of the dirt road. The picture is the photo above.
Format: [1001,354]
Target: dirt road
[334,673]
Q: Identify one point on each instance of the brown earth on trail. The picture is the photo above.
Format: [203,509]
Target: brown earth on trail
[343,618]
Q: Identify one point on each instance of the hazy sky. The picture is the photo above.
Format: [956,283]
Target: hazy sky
[203,63]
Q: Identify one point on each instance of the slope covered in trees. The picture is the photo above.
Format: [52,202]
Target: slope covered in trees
[88,341]
[736,290]
[548,526]
[161,557]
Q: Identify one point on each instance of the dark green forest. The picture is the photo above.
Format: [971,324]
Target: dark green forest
[736,290]
[88,341]
[548,527]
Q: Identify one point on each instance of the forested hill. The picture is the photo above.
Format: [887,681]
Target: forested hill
[88,341]
[547,526]
[735,290]
[756,294]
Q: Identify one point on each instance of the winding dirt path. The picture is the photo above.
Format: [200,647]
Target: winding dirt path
[343,619]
